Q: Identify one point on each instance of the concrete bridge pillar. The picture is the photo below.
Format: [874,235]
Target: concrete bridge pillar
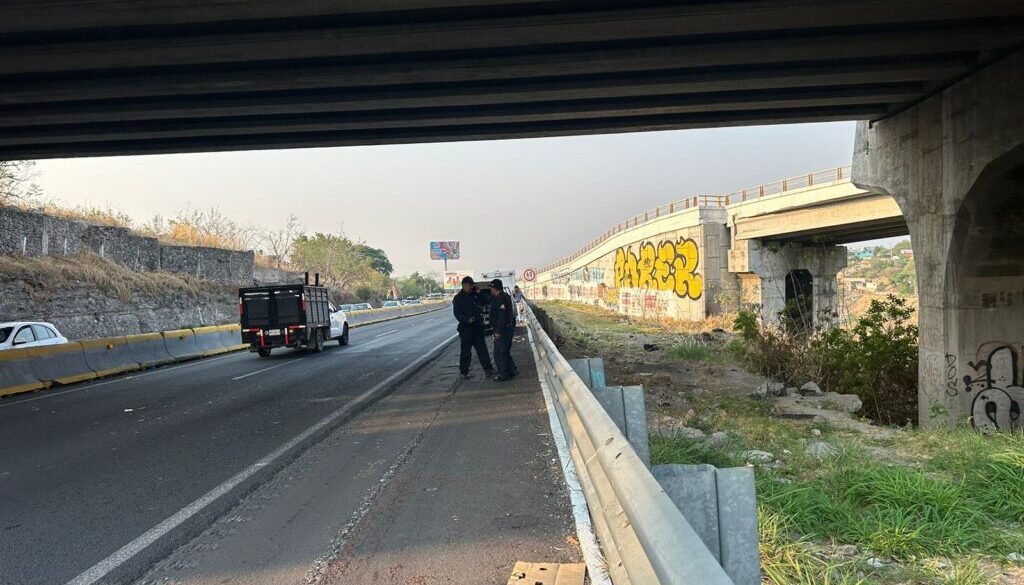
[955,165]
[778,277]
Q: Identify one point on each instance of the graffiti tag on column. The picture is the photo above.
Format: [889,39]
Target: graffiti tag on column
[669,266]
[999,401]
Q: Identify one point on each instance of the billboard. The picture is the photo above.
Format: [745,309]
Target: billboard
[453,278]
[445,250]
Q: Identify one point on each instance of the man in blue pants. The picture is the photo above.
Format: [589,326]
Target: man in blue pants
[503,321]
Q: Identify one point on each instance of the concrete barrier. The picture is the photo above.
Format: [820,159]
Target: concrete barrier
[209,341]
[231,337]
[16,374]
[361,318]
[109,356]
[148,349]
[61,364]
[182,344]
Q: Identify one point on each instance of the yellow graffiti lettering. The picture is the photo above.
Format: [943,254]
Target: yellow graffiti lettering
[668,266]
[688,282]
[663,276]
[645,266]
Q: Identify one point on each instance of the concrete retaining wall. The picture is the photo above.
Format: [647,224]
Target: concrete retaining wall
[214,264]
[36,234]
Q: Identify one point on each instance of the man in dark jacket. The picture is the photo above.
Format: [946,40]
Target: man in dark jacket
[503,321]
[471,329]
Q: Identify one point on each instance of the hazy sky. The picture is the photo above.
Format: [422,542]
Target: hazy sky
[512,204]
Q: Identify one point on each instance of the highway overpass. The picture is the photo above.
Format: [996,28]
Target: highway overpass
[110,77]
[697,257]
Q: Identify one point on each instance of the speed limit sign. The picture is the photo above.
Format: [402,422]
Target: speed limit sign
[530,275]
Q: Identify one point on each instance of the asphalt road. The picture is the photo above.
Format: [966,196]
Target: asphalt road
[87,470]
[444,481]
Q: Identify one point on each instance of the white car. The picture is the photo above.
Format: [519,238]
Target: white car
[29,334]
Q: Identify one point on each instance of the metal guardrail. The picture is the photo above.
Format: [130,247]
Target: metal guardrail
[759,192]
[645,538]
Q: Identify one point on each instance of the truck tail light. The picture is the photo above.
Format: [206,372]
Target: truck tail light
[240,307]
[303,299]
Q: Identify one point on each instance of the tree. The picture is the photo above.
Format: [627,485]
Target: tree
[279,242]
[209,227]
[378,259]
[338,260]
[15,182]
[418,285]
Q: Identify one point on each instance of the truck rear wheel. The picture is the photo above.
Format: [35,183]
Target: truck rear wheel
[264,351]
[343,340]
[318,341]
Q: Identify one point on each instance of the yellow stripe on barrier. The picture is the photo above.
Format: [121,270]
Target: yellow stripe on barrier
[144,336]
[67,348]
[109,344]
[10,390]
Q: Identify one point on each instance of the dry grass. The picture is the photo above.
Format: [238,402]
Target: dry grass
[51,272]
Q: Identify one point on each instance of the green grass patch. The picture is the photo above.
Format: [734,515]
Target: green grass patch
[692,348]
[961,496]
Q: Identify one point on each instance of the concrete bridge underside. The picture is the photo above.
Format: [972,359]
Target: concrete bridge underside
[108,77]
[867,217]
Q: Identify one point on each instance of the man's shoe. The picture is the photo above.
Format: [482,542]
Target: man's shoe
[490,374]
[465,375]
[500,378]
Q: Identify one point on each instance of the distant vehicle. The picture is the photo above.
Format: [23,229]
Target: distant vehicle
[484,298]
[362,307]
[29,334]
[290,315]
[410,301]
[436,296]
[346,307]
[390,304]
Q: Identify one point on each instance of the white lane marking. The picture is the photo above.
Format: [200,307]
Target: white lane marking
[387,333]
[126,552]
[291,361]
[122,379]
[592,555]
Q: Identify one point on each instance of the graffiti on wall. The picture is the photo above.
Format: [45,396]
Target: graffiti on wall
[668,265]
[996,384]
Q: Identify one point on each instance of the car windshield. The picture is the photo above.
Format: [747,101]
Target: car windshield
[5,332]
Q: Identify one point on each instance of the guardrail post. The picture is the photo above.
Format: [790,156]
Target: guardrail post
[810,179]
[671,207]
[760,191]
[839,173]
[784,185]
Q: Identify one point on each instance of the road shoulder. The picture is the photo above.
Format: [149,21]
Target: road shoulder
[444,479]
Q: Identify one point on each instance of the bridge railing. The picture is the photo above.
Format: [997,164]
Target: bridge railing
[761,191]
[645,537]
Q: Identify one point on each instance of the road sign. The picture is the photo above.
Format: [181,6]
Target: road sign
[444,250]
[530,274]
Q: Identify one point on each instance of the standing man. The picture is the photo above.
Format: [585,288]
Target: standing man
[517,296]
[471,330]
[503,321]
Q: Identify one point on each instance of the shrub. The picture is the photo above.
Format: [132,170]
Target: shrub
[876,359]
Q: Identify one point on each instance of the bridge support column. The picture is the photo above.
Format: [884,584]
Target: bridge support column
[955,165]
[792,278]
